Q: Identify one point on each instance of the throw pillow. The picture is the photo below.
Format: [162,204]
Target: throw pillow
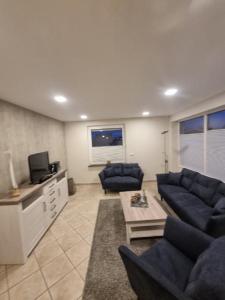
[174,178]
[206,281]
[113,171]
[109,172]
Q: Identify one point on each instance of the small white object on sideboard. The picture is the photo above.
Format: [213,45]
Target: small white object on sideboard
[25,219]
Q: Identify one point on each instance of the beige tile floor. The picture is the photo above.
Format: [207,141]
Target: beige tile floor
[56,269]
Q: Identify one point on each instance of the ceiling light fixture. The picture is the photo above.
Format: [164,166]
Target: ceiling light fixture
[60,98]
[170,92]
[83,117]
[145,113]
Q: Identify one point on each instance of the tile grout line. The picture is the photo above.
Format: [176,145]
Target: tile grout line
[42,277]
[71,264]
[7,281]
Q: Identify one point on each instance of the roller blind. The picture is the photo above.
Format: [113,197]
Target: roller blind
[106,144]
[215,153]
[192,144]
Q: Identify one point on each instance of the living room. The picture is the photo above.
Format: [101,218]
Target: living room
[112,121]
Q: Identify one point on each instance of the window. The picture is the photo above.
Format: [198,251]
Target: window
[215,152]
[216,120]
[195,125]
[104,138]
[192,143]
[106,144]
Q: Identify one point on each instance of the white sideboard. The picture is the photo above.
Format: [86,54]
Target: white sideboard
[24,220]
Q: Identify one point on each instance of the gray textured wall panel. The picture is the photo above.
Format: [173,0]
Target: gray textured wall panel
[25,132]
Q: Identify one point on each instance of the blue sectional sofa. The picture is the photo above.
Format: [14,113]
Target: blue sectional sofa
[197,199]
[121,177]
[186,264]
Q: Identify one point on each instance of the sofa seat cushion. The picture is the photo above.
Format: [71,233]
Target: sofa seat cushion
[170,262]
[121,182]
[205,187]
[206,281]
[191,209]
[166,190]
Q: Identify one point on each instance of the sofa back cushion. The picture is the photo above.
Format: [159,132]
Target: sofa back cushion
[216,223]
[132,170]
[206,281]
[219,208]
[187,178]
[113,170]
[205,187]
[220,192]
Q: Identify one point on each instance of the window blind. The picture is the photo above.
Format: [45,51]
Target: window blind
[215,153]
[192,144]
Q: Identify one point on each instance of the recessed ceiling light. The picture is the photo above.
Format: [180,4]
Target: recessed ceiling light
[60,99]
[83,117]
[170,92]
[145,113]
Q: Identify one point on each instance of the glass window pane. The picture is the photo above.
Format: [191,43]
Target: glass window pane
[107,137]
[216,120]
[195,125]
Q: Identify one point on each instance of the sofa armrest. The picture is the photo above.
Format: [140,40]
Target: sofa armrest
[186,238]
[102,178]
[162,178]
[141,176]
[216,225]
[146,281]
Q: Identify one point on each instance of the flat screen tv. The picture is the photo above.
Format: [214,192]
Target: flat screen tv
[38,165]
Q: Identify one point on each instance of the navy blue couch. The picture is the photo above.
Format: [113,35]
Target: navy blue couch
[186,264]
[197,199]
[121,177]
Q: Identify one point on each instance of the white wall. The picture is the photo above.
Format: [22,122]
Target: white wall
[143,139]
[211,104]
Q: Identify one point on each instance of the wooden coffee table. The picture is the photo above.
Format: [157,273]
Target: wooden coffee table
[143,222]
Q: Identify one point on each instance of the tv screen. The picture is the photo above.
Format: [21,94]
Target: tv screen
[38,165]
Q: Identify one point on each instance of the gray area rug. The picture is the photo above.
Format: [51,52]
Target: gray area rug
[106,277]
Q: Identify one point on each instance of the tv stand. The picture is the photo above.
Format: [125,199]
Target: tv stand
[25,219]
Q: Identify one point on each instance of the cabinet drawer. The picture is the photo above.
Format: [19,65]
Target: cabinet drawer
[53,214]
[52,199]
[50,186]
[51,193]
[53,207]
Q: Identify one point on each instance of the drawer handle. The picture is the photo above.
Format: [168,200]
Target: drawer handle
[51,185]
[53,206]
[54,214]
[52,193]
[53,199]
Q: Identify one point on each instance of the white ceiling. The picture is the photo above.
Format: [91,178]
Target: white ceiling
[111,58]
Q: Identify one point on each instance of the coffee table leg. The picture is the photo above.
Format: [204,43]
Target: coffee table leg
[128,234]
